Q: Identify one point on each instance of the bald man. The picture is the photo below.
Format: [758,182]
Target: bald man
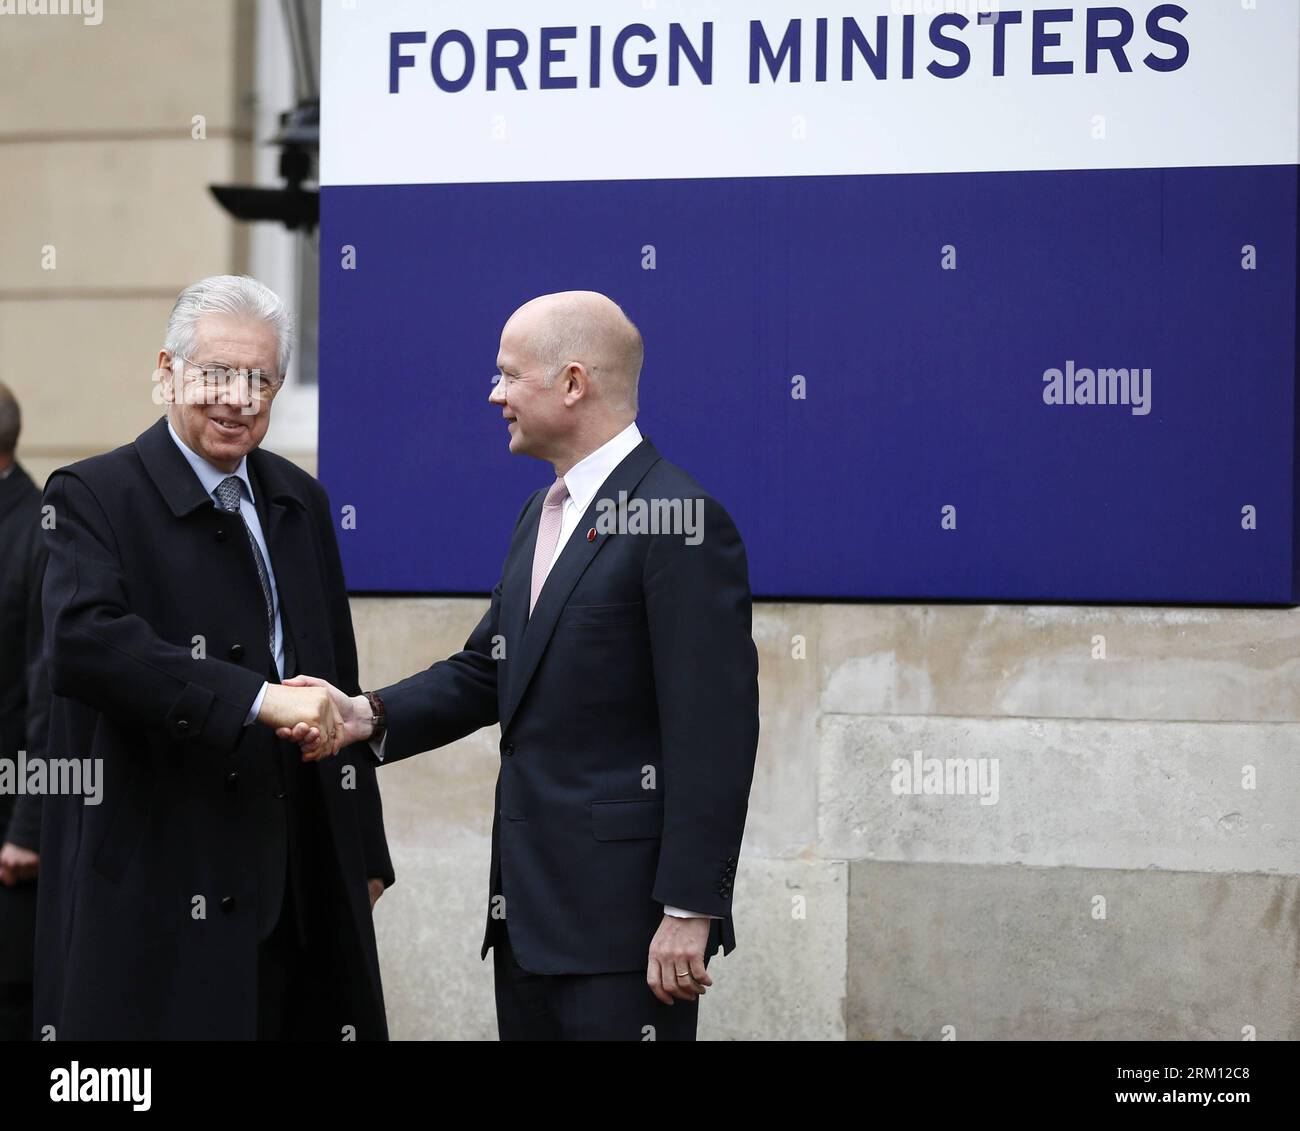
[617,656]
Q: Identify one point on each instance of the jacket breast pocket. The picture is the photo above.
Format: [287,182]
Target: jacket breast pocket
[599,616]
[627,820]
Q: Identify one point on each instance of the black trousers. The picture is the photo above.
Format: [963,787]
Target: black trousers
[301,976]
[15,1011]
[311,972]
[582,1007]
[286,979]
[17,937]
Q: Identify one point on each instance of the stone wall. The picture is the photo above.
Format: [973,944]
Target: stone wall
[1137,878]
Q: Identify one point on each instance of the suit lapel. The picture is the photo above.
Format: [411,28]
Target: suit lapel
[534,632]
[170,471]
[281,509]
[516,585]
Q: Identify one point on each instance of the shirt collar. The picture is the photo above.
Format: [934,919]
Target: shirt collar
[209,475]
[585,477]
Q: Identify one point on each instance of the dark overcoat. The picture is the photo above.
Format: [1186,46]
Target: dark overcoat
[152,902]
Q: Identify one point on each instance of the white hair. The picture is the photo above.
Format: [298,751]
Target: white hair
[228,294]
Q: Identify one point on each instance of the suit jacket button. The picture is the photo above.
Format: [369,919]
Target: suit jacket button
[182,724]
[236,651]
[227,903]
[221,535]
[232,780]
[508,749]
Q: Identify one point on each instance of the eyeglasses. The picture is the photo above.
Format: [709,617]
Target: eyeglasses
[261,383]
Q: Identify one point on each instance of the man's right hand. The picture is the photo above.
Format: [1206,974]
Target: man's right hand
[353,713]
[312,708]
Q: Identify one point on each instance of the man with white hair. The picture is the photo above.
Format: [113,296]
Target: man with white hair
[224,887]
[617,656]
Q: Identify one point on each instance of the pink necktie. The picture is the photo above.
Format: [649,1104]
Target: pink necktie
[548,534]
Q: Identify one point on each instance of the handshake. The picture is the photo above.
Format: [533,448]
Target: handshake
[316,715]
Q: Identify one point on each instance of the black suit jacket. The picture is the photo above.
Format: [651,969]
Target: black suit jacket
[24,702]
[628,705]
[24,691]
[157,647]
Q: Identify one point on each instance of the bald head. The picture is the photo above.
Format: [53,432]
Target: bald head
[588,328]
[11,423]
[568,366]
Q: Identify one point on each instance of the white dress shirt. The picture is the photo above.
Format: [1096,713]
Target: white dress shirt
[211,478]
[586,477]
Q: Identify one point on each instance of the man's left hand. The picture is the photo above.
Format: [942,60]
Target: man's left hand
[376,886]
[17,865]
[678,948]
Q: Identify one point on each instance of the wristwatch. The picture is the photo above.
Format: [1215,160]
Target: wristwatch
[378,716]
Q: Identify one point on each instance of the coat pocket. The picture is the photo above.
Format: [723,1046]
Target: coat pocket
[627,820]
[596,616]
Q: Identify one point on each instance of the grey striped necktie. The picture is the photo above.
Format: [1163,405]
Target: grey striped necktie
[229,491]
